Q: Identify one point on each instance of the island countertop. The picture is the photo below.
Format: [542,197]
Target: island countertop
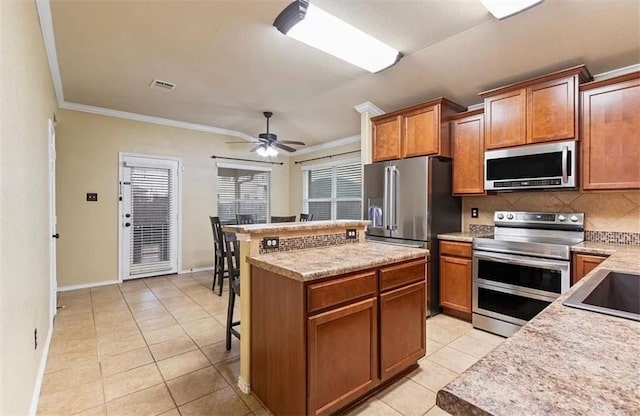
[316,263]
[277,227]
[564,361]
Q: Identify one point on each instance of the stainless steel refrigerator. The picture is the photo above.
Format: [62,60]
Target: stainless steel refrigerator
[409,202]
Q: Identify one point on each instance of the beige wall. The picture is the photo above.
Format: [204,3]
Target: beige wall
[28,101]
[295,171]
[604,211]
[88,147]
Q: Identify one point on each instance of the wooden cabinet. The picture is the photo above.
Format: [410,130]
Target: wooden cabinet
[583,264]
[455,278]
[538,110]
[342,356]
[319,346]
[419,130]
[468,152]
[611,133]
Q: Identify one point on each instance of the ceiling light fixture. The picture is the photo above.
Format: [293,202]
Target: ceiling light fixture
[315,27]
[267,151]
[501,9]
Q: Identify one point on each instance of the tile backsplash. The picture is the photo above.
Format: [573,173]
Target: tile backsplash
[604,211]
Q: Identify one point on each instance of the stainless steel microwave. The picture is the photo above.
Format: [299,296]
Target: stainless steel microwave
[536,166]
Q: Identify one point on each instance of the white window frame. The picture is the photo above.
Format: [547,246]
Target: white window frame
[334,199]
[246,167]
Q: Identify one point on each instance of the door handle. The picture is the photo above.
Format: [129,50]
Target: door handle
[127,224]
[565,175]
[56,235]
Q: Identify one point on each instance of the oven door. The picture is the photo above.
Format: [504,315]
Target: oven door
[537,276]
[507,304]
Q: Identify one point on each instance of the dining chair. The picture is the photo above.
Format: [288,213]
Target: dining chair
[306,217]
[220,269]
[245,219]
[233,261]
[291,218]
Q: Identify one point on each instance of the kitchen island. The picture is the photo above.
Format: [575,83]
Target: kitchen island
[332,325]
[564,361]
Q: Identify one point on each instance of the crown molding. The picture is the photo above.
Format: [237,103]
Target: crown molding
[369,107]
[327,145]
[617,72]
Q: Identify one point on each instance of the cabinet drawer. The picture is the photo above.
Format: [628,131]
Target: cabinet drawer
[401,274]
[338,291]
[453,248]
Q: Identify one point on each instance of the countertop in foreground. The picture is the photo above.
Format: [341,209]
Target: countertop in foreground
[566,361]
[322,262]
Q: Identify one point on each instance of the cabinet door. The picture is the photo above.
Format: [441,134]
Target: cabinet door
[583,264]
[505,119]
[468,155]
[552,110]
[421,132]
[611,136]
[386,139]
[455,283]
[402,328]
[342,356]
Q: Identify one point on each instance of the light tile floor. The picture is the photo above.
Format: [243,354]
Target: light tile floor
[156,347]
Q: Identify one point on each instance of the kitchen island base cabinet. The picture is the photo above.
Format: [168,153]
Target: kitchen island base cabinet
[317,347]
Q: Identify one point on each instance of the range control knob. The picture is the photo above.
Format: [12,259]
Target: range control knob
[500,216]
[574,218]
[562,218]
[509,216]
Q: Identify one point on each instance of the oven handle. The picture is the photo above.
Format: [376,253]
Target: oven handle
[565,155]
[521,261]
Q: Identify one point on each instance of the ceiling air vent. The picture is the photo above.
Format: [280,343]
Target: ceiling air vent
[162,85]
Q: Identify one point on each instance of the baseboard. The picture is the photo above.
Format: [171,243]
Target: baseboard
[196,270]
[43,365]
[87,285]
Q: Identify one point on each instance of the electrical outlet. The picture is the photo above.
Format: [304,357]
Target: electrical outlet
[270,242]
[35,339]
[352,234]
[92,197]
[474,212]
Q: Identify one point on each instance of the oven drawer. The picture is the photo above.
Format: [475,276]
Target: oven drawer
[508,305]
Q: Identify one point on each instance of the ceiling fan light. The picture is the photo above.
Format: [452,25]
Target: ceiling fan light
[262,151]
[315,27]
[271,152]
[501,9]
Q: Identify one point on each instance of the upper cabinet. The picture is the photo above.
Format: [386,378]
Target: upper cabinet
[611,133]
[468,152]
[419,130]
[539,110]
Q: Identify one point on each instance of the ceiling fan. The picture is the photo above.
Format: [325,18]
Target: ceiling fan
[268,142]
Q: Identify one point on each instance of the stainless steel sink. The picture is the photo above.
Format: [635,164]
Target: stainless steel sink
[609,292]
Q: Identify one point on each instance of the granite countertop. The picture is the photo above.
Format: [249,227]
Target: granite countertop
[464,236]
[292,226]
[316,263]
[565,361]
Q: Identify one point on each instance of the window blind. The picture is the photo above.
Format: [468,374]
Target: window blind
[334,192]
[243,191]
[153,217]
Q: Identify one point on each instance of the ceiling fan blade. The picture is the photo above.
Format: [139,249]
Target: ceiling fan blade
[292,142]
[242,142]
[283,147]
[256,148]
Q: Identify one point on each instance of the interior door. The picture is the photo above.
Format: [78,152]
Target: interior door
[148,216]
[53,219]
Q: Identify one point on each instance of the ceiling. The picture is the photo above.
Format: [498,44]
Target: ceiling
[230,63]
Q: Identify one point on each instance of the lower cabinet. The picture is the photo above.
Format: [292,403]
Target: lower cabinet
[317,347]
[455,278]
[583,264]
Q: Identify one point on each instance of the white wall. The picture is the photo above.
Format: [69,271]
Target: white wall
[28,101]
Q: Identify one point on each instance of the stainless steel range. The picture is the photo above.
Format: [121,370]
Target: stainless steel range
[523,268]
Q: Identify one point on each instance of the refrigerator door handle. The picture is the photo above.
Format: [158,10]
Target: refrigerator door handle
[385,202]
[393,220]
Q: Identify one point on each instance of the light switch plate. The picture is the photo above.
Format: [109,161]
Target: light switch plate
[352,234]
[270,242]
[474,212]
[92,197]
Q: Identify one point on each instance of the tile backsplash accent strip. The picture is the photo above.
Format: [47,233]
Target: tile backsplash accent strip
[481,228]
[617,211]
[612,237]
[310,241]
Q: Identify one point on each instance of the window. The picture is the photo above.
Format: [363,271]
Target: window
[243,190]
[333,192]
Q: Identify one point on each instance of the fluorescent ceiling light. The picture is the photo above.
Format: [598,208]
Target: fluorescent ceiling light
[315,27]
[502,9]
[267,151]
